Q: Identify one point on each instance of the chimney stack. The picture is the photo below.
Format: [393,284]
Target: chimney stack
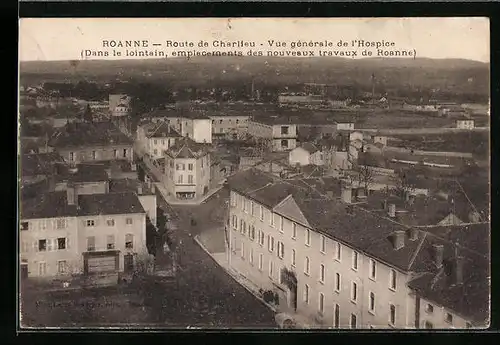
[392,210]
[153,188]
[398,238]
[459,267]
[71,195]
[438,254]
[413,234]
[346,194]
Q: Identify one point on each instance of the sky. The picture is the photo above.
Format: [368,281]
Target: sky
[47,39]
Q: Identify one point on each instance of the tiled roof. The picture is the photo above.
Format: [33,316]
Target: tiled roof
[39,163]
[160,130]
[309,147]
[127,185]
[89,134]
[187,148]
[112,203]
[84,173]
[55,204]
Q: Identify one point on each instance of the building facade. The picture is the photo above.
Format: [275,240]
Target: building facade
[229,124]
[155,138]
[282,135]
[465,124]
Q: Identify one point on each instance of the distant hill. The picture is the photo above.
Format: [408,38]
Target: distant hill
[451,74]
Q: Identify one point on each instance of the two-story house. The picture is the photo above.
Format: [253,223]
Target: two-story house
[281,132]
[187,169]
[63,233]
[154,138]
[306,154]
[92,142]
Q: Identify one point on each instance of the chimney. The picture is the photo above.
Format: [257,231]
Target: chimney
[71,195]
[438,254]
[346,194]
[398,238]
[459,268]
[153,188]
[384,204]
[392,210]
[413,234]
[139,189]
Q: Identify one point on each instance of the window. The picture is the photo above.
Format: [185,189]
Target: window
[373,269]
[251,232]
[245,208]
[270,243]
[190,179]
[428,325]
[71,156]
[281,224]
[293,258]
[62,267]
[94,155]
[271,269]
[129,241]
[271,219]
[355,261]
[448,318]
[261,238]
[306,265]
[241,225]
[233,199]
[163,141]
[242,253]
[42,245]
[354,321]
[244,228]
[190,166]
[306,294]
[371,302]
[261,259]
[281,250]
[250,256]
[284,130]
[24,225]
[177,166]
[235,222]
[90,222]
[115,153]
[284,144]
[321,303]
[124,153]
[392,315]
[42,268]
[110,242]
[155,151]
[354,292]
[252,208]
[429,308]
[110,222]
[322,246]
[128,221]
[392,282]
[61,243]
[308,237]
[261,213]
[336,316]
[155,141]
[180,179]
[294,231]
[91,244]
[322,273]
[338,283]
[338,252]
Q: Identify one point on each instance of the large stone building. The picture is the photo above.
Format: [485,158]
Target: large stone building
[337,265]
[153,138]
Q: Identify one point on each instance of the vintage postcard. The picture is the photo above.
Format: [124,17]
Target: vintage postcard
[254,173]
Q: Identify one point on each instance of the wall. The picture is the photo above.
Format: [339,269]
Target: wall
[298,155]
[46,229]
[278,147]
[227,124]
[260,130]
[148,202]
[102,153]
[119,230]
[202,130]
[438,317]
[292,131]
[159,145]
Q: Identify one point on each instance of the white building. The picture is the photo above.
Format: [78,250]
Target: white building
[281,132]
[154,138]
[465,123]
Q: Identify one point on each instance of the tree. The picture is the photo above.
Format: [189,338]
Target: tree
[87,114]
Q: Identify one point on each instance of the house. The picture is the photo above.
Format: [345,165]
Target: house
[91,142]
[187,169]
[305,154]
[154,138]
[85,178]
[317,256]
[119,104]
[465,123]
[281,132]
[63,233]
[37,171]
[229,125]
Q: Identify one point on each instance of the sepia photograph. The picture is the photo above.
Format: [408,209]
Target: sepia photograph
[254,173]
